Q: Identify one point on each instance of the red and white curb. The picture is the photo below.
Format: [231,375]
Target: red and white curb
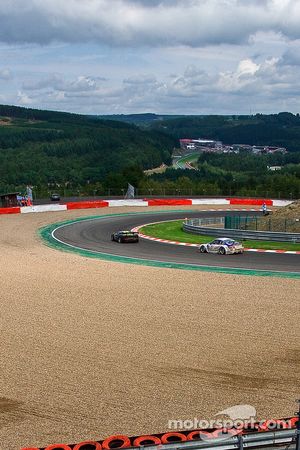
[188,244]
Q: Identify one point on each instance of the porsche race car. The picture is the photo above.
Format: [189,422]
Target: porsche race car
[222,246]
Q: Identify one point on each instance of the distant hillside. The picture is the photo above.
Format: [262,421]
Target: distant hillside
[282,130]
[49,148]
[76,155]
[143,120]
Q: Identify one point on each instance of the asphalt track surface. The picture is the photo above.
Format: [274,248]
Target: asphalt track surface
[95,235]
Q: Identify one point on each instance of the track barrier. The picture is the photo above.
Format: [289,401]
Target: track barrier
[269,424]
[145,203]
[250,201]
[88,445]
[169,201]
[205,435]
[169,438]
[14,210]
[58,447]
[267,430]
[117,441]
[85,205]
[141,441]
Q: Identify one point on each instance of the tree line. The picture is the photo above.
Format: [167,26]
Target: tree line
[84,155]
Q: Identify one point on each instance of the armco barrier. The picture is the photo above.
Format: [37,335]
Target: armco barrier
[241,234]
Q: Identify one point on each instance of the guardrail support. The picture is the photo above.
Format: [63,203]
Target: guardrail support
[298,428]
[240,442]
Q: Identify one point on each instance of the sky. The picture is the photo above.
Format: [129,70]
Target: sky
[160,56]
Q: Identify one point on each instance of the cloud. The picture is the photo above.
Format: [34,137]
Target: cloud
[141,22]
[59,83]
[251,85]
[23,99]
[291,56]
[244,75]
[5,74]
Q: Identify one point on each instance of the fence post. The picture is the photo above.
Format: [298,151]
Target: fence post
[240,442]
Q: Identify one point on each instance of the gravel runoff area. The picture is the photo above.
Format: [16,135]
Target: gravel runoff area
[90,348]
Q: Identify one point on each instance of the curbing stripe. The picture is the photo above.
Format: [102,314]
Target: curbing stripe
[47,234]
[188,244]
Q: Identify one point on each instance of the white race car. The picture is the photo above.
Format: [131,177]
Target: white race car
[223,246]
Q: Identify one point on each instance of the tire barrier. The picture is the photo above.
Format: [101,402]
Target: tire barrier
[88,445]
[169,438]
[58,447]
[141,441]
[277,424]
[123,441]
[218,433]
[116,441]
[30,448]
[294,422]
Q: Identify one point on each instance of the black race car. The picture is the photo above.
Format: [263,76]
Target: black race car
[125,236]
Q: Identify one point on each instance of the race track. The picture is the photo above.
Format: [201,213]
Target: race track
[94,235]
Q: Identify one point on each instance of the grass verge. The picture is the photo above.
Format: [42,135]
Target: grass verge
[173,231]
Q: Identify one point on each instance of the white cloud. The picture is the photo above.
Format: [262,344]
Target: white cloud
[58,82]
[137,22]
[165,56]
[251,86]
[23,99]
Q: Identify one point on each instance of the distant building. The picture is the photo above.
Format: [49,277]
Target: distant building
[212,146]
[200,145]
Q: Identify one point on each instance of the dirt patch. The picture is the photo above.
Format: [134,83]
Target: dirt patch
[286,219]
[5,121]
[291,211]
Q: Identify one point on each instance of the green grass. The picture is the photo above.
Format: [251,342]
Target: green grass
[173,231]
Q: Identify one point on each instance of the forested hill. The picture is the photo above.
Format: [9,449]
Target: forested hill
[42,147]
[282,130]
